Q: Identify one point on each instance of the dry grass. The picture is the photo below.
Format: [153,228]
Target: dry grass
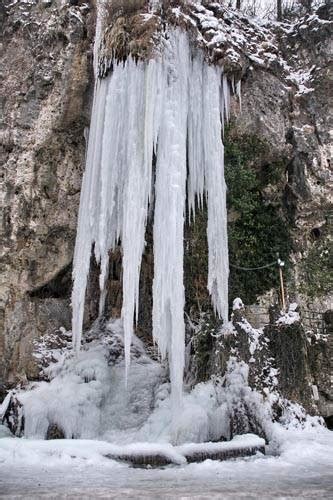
[116,8]
[166,4]
[126,31]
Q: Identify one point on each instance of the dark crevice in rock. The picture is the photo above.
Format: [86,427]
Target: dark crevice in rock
[144,327]
[55,432]
[59,287]
[329,422]
[316,233]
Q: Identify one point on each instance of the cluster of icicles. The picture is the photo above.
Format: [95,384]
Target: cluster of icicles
[171,108]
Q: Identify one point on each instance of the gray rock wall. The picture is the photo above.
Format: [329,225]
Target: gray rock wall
[47,81]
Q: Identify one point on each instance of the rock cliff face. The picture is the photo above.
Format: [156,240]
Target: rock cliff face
[47,81]
[278,161]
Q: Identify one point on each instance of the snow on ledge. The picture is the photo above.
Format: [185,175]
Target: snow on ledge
[237,443]
[290,317]
[61,450]
[237,304]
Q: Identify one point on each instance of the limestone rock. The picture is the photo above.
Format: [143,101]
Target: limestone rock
[47,85]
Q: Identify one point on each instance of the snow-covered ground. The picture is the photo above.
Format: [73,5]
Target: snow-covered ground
[77,469]
[85,398]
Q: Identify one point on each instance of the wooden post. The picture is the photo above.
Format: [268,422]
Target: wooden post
[282,289]
[279,10]
[307,4]
[281,264]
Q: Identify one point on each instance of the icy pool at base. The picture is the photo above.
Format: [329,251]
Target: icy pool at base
[304,469]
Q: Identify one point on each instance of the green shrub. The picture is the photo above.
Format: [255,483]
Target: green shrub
[258,230]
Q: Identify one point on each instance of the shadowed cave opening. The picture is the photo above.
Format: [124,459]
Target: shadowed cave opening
[59,287]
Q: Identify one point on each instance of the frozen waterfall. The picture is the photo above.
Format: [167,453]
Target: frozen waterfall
[172,109]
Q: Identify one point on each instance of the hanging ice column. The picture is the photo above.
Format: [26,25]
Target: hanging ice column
[208,105]
[172,106]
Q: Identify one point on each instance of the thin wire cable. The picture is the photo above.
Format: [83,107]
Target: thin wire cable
[254,268]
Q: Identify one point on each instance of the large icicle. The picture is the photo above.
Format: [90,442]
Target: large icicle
[218,262]
[173,107]
[170,189]
[137,191]
[84,236]
[117,186]
[209,102]
[196,159]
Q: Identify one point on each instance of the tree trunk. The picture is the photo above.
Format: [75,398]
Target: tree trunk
[307,4]
[238,4]
[279,10]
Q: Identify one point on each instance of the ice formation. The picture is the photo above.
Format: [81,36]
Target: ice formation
[84,397]
[165,114]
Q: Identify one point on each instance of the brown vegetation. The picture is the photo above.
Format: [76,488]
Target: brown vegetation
[116,8]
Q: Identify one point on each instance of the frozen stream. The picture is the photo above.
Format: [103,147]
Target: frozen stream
[304,469]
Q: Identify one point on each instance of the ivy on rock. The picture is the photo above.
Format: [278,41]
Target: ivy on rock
[257,229]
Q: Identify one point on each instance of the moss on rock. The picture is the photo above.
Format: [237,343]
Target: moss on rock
[289,347]
[203,342]
[316,270]
[196,264]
